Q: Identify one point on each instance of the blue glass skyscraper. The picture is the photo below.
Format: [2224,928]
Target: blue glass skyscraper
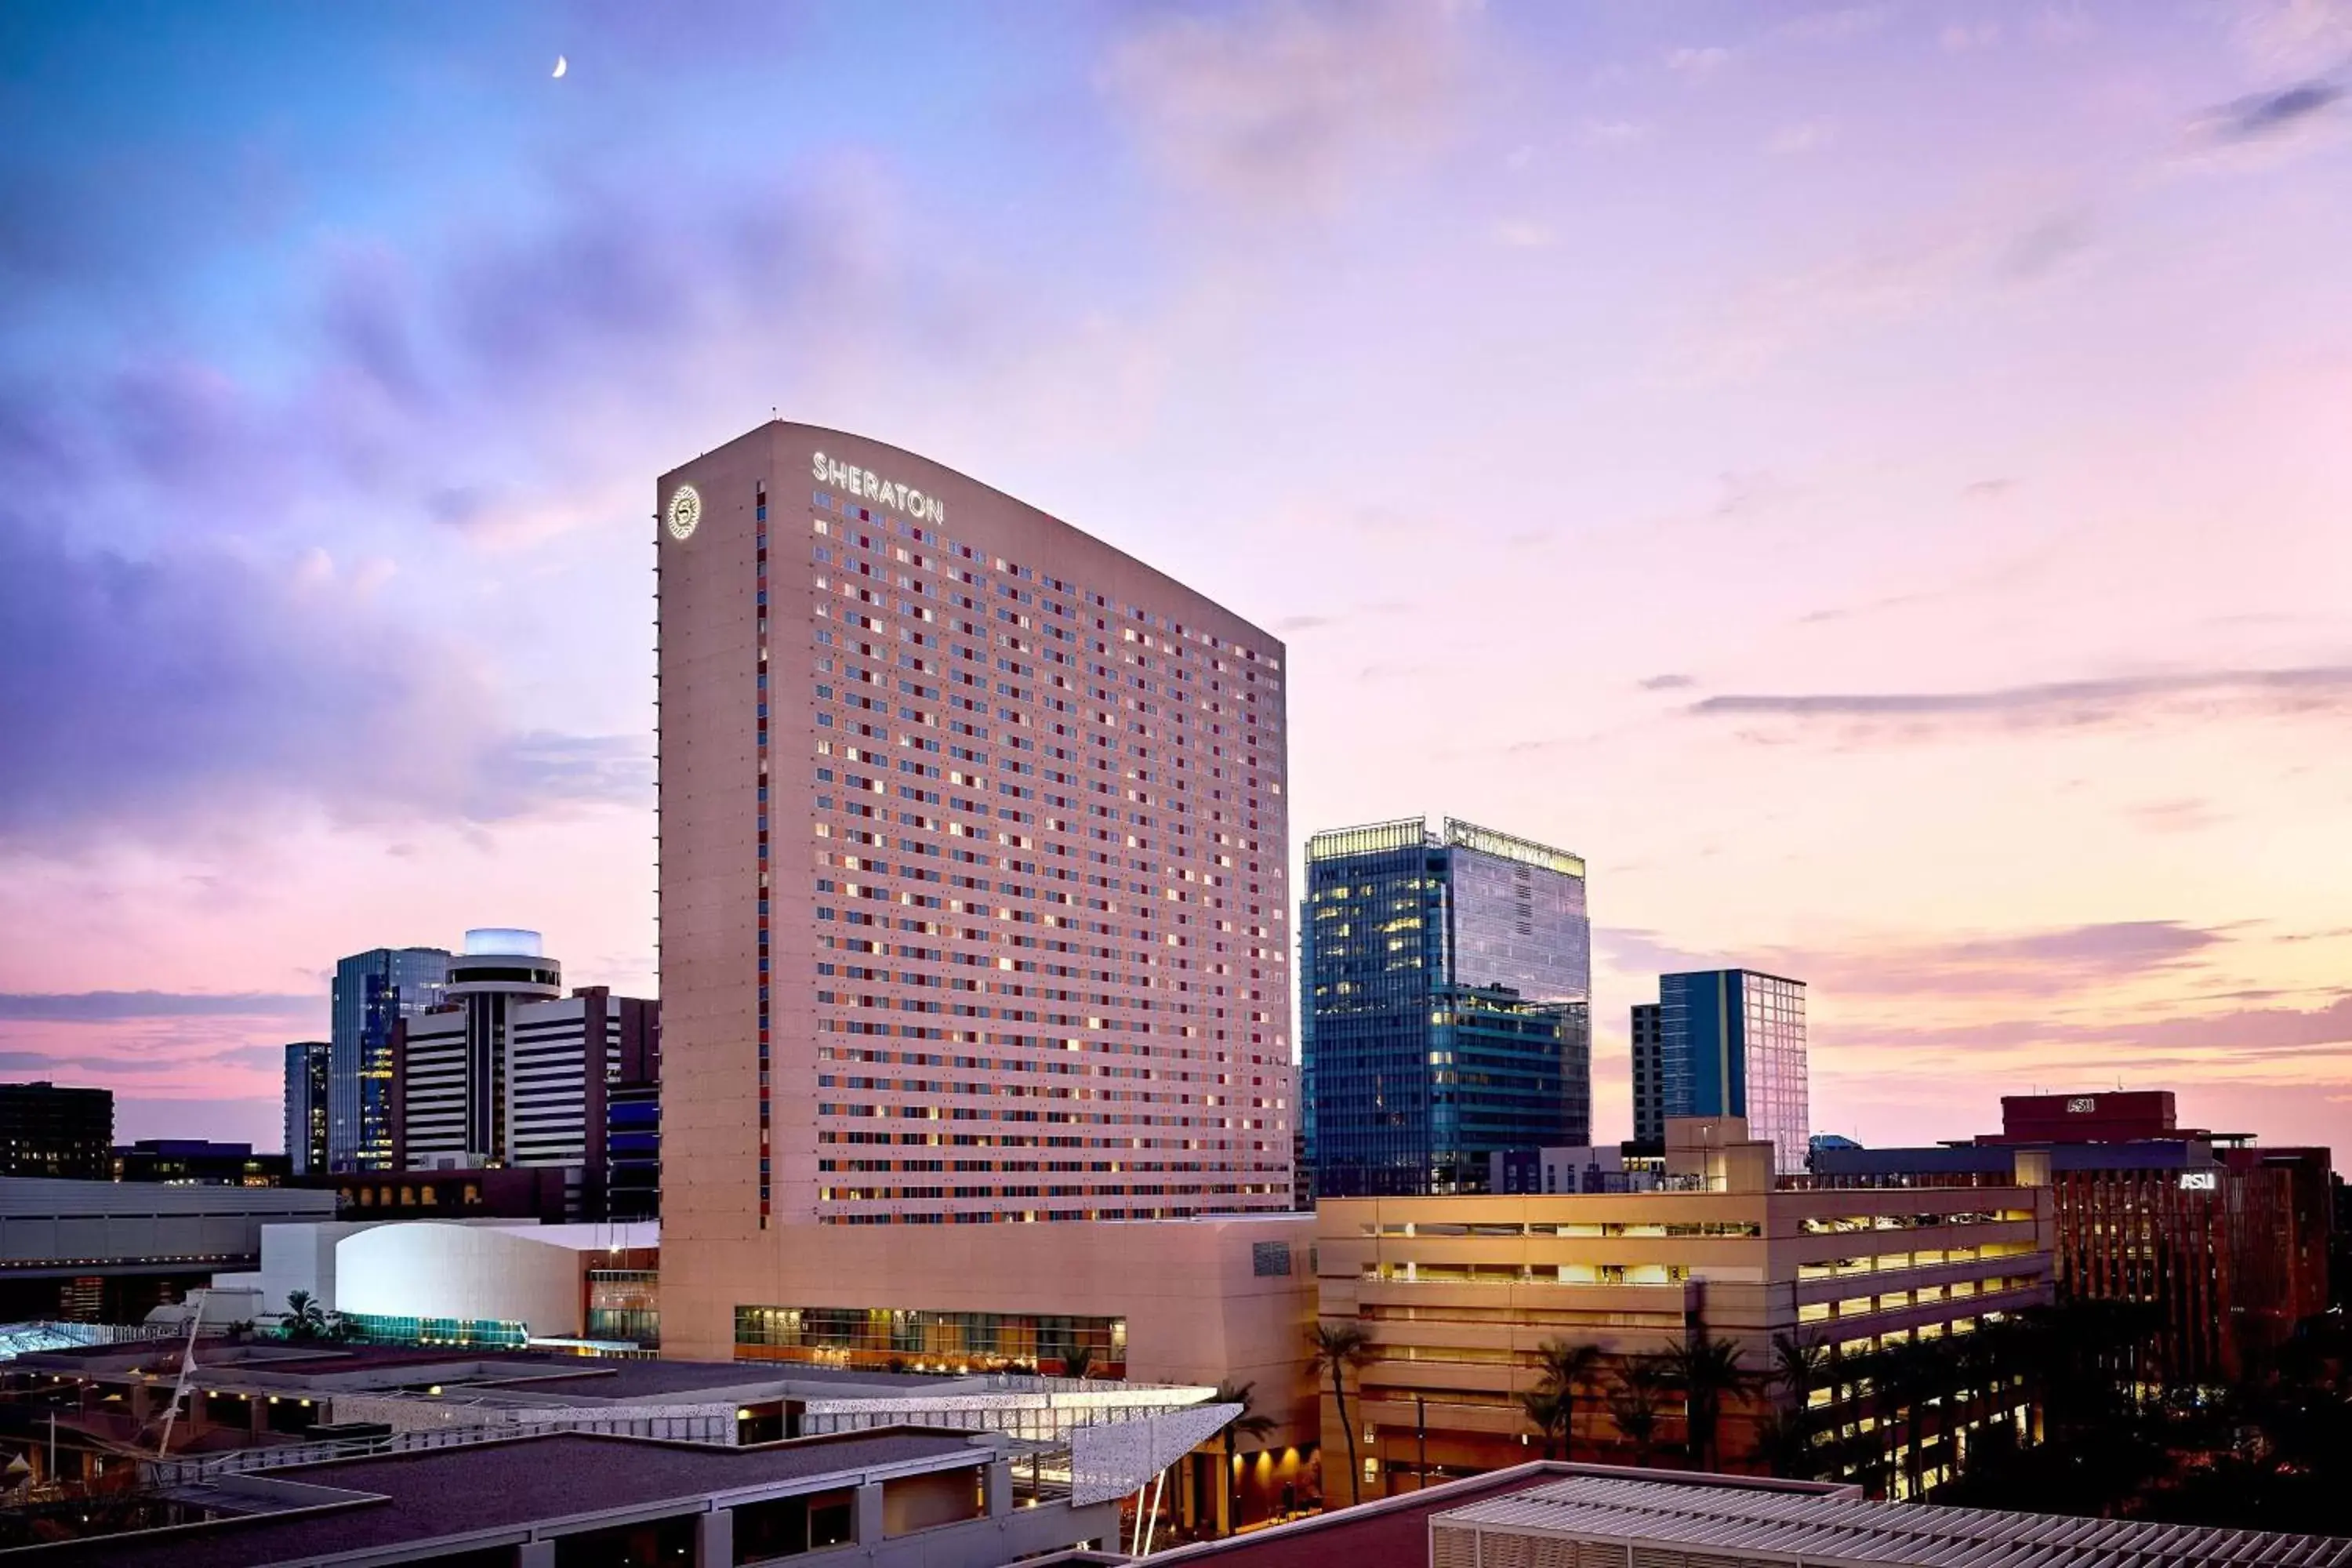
[1730,1042]
[309,1071]
[1446,986]
[374,990]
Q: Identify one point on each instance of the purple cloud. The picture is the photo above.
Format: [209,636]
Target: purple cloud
[2263,115]
[145,692]
[2074,704]
[111,1006]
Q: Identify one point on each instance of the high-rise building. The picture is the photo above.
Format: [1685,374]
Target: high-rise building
[308,1075]
[374,990]
[452,1063]
[1731,1042]
[973,834]
[1649,1075]
[1445,994]
[45,1131]
[509,1071]
[632,1124]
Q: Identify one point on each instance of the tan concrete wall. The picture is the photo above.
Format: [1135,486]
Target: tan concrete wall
[709,811]
[1467,1348]
[1188,1048]
[1196,1313]
[910,1503]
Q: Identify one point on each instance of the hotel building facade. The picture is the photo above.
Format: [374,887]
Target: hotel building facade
[973,847]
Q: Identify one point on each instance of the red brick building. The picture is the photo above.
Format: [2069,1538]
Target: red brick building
[2227,1242]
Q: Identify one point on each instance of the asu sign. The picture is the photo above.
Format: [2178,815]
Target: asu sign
[869,485]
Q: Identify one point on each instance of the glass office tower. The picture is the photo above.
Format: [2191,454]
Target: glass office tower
[1731,1042]
[307,1078]
[1446,990]
[1649,1073]
[374,990]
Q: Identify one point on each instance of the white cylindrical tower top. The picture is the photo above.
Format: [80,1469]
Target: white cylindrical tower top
[503,939]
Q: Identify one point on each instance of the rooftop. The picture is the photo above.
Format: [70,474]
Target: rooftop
[1389,1533]
[1821,1525]
[1414,832]
[1727,1519]
[352,1505]
[332,1368]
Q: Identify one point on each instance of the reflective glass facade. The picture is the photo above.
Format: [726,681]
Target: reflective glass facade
[1446,986]
[372,992]
[624,1304]
[1649,1090]
[1731,1042]
[377,1328]
[307,1078]
[885,1336]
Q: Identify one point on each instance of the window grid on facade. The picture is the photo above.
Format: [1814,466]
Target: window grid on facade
[1445,988]
[1041,860]
[1080,751]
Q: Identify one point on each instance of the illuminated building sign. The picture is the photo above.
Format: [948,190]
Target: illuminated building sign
[869,485]
[2198,1181]
[2082,1105]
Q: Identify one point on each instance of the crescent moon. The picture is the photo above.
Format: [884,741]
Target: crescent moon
[562,65]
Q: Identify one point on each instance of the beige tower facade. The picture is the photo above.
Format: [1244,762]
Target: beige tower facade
[974,839]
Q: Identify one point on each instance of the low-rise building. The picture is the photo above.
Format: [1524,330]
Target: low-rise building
[1583,1168]
[895,1497]
[112,1251]
[554,1194]
[491,1283]
[2225,1243]
[1458,1296]
[1589,1516]
[511,1467]
[1217,1299]
[198,1162]
[63,1133]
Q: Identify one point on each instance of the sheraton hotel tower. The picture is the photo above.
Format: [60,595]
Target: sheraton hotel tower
[973,838]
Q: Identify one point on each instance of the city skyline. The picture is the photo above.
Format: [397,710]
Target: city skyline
[1860,475]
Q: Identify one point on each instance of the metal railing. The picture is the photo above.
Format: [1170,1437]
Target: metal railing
[49,1334]
[281,1455]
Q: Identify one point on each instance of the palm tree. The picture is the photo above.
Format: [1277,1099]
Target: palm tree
[1641,1389]
[1248,1424]
[1707,1371]
[1798,1366]
[1077,1360]
[305,1318]
[1800,1363]
[1547,1411]
[1784,1441]
[1908,1374]
[1567,1370]
[1339,1348]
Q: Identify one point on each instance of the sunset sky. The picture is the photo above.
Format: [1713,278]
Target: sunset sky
[1876,479]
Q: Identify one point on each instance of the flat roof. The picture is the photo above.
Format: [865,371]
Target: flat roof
[1814,1524]
[328,1368]
[1994,1159]
[1391,1533]
[407,1499]
[579,1377]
